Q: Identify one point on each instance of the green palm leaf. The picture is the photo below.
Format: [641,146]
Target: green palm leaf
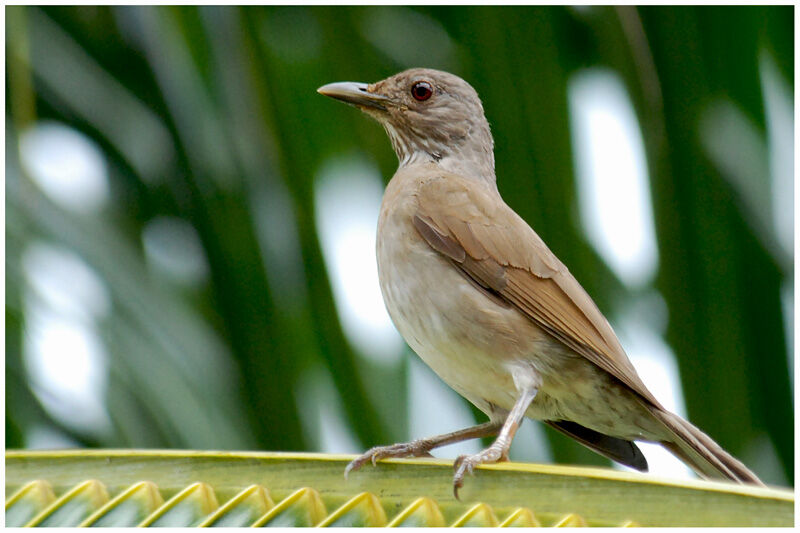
[130,487]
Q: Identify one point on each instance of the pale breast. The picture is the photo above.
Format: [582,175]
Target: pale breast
[472,340]
[462,334]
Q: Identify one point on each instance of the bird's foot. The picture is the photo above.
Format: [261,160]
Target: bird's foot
[465,464]
[416,448]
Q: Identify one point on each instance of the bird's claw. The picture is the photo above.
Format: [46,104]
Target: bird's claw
[407,449]
[465,464]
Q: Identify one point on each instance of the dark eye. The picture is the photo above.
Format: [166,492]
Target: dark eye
[421,90]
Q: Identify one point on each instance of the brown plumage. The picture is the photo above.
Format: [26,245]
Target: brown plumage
[485,303]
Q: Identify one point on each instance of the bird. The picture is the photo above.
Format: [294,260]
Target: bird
[482,300]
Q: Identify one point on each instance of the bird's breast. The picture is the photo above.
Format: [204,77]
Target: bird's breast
[466,337]
[474,342]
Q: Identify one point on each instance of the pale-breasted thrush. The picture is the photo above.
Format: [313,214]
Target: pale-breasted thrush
[484,302]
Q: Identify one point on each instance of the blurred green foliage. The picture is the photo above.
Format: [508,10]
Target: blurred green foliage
[210,115]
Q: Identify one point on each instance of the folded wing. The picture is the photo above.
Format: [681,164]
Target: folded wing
[492,245]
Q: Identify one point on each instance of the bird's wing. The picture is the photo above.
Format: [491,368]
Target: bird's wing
[472,226]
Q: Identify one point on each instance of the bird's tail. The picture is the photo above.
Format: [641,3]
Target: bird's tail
[700,452]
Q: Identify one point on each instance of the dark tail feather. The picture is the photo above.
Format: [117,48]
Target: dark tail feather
[622,451]
[700,452]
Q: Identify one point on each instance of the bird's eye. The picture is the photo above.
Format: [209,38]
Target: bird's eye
[421,90]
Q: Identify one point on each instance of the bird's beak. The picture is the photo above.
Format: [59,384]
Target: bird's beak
[354,93]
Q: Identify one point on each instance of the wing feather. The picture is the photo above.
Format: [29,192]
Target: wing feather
[472,226]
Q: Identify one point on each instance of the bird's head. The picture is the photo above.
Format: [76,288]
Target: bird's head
[429,115]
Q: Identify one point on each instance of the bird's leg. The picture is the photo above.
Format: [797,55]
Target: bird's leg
[498,451]
[422,447]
